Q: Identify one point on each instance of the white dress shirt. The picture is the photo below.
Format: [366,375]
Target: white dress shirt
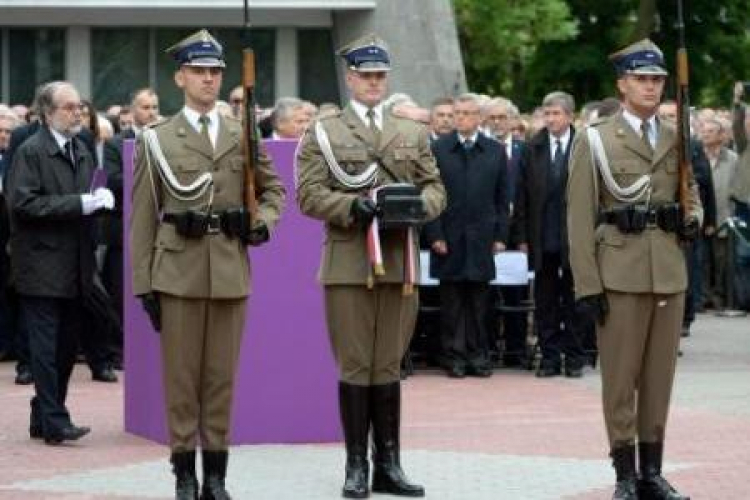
[193,118]
[636,122]
[564,140]
[361,111]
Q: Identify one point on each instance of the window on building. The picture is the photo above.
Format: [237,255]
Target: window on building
[263,42]
[317,66]
[38,56]
[119,64]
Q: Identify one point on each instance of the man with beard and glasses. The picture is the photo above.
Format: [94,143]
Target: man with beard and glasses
[53,251]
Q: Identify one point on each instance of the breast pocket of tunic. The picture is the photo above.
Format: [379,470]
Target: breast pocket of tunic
[353,160]
[627,172]
[187,171]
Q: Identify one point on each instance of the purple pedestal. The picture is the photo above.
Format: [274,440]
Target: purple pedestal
[285,389]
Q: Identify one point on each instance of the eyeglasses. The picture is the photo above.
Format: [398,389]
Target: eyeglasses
[72,107]
[498,117]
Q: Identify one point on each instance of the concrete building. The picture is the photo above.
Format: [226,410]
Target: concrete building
[110,47]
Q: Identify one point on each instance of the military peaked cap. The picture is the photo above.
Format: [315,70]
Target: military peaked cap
[366,54]
[199,49]
[640,58]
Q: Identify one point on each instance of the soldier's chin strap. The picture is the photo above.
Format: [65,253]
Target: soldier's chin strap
[359,181]
[191,192]
[628,194]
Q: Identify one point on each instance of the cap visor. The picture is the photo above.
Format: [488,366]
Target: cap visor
[206,62]
[649,70]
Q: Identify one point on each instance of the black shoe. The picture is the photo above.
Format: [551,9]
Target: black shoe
[69,433]
[548,370]
[573,372]
[24,376]
[652,485]
[385,410]
[479,371]
[456,371]
[105,374]
[36,432]
[623,460]
[515,361]
[186,483]
[214,474]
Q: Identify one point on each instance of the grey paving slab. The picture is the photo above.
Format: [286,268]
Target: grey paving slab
[281,472]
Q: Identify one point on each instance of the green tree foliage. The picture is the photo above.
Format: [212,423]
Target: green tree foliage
[500,37]
[524,64]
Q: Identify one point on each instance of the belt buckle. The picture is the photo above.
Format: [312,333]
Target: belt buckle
[214,224]
[652,219]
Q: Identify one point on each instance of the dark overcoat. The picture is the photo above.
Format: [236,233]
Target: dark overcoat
[533,189]
[476,215]
[51,240]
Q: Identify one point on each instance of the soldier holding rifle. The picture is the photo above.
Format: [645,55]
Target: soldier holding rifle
[625,218]
[188,234]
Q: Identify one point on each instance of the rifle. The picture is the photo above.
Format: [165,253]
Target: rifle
[683,117]
[249,126]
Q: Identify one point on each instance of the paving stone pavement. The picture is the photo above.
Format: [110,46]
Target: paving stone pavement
[511,436]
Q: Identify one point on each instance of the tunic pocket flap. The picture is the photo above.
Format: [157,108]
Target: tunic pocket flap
[351,154]
[406,153]
[167,239]
[612,239]
[629,167]
[188,167]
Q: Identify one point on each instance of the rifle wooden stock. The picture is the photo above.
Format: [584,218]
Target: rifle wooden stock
[249,131]
[683,117]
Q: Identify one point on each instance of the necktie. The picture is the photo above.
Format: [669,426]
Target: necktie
[558,158]
[468,144]
[204,121]
[372,125]
[644,135]
[69,153]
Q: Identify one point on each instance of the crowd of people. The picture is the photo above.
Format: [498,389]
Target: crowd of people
[719,159]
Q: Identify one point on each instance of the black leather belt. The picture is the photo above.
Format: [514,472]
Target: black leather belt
[194,224]
[637,218]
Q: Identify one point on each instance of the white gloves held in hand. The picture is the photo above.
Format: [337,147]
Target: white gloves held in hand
[101,199]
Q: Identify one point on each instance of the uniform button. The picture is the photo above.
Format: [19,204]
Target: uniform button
[216,168]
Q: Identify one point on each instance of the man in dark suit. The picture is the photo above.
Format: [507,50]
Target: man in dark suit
[499,116]
[466,236]
[541,227]
[53,252]
[91,339]
[145,110]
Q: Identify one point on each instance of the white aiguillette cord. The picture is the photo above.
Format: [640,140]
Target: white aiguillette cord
[191,192]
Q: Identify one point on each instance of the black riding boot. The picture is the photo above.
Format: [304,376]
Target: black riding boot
[183,466]
[214,473]
[652,485]
[385,411]
[623,459]
[355,419]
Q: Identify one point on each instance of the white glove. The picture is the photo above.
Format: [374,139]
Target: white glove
[90,203]
[102,198]
[108,199]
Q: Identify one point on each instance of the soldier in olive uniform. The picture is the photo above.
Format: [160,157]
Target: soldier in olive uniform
[370,317]
[624,228]
[190,267]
